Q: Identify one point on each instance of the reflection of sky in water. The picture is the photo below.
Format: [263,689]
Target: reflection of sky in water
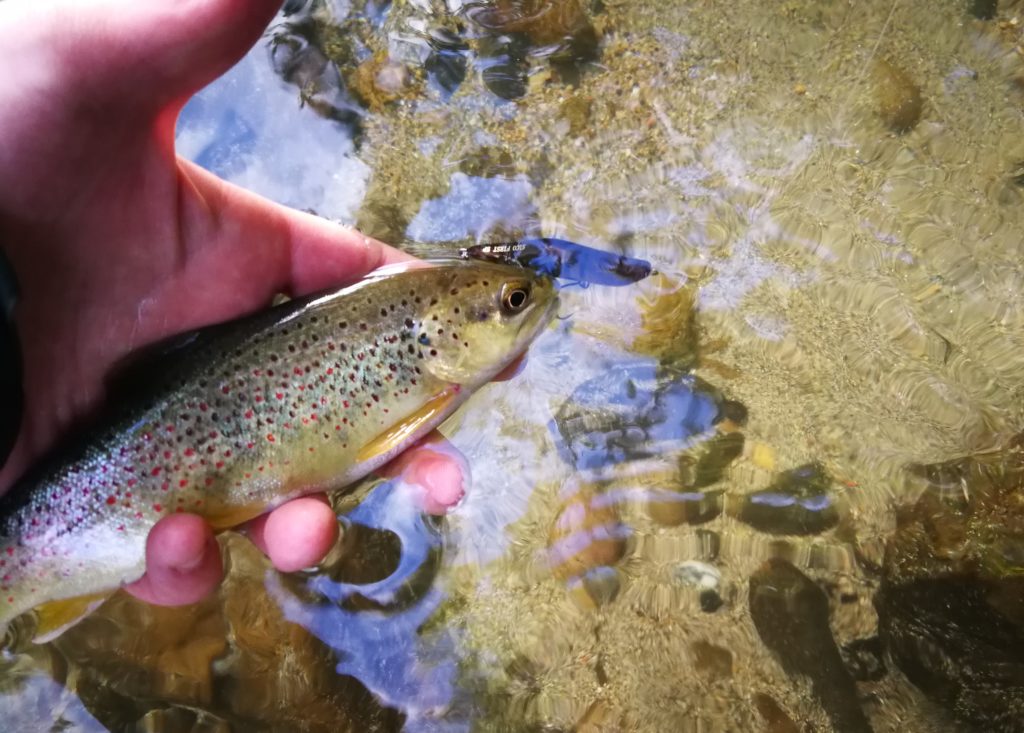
[471,207]
[249,128]
[384,650]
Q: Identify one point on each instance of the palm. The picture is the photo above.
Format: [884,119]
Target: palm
[117,243]
[120,244]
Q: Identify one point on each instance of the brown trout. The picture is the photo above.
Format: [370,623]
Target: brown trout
[308,396]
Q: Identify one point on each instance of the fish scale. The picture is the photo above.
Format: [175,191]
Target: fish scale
[309,396]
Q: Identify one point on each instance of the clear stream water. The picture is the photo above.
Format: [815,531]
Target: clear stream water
[706,504]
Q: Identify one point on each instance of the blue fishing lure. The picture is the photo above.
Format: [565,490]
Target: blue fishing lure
[559,258]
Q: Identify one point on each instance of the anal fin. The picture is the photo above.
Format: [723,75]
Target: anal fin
[55,617]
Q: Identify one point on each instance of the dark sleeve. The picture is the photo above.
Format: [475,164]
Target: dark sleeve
[11,397]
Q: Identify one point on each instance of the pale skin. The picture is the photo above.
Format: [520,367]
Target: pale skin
[118,243]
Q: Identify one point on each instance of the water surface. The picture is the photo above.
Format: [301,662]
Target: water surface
[680,510]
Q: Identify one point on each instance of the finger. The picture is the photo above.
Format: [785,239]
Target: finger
[297,534]
[437,468]
[183,563]
[148,53]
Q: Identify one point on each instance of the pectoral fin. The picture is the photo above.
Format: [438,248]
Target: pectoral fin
[398,436]
[56,617]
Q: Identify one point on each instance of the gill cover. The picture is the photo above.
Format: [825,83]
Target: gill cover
[483,324]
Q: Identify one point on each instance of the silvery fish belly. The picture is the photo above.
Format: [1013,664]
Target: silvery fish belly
[308,396]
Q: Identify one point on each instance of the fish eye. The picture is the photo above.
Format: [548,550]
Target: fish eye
[514,297]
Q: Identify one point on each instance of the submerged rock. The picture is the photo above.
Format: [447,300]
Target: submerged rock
[711,660]
[576,111]
[379,81]
[776,720]
[800,502]
[791,615]
[706,579]
[897,96]
[587,534]
[632,412]
[983,9]
[669,328]
[560,24]
[951,604]
[595,588]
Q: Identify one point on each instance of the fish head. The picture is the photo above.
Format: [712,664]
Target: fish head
[486,317]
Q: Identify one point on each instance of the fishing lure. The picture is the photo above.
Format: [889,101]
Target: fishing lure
[559,258]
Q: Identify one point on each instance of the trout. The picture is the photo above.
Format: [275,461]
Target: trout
[307,396]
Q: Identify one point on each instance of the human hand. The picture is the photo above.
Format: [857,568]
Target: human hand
[118,243]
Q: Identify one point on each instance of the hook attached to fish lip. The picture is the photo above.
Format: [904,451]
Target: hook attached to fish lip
[574,263]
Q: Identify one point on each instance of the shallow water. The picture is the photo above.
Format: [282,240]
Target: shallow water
[680,510]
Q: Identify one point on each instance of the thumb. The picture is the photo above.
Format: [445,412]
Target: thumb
[152,53]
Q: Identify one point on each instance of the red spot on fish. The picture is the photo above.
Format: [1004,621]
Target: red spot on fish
[213,434]
[250,445]
[128,495]
[225,389]
[208,481]
[248,414]
[131,482]
[219,464]
[257,372]
[183,483]
[344,403]
[165,485]
[155,471]
[279,395]
[203,407]
[270,437]
[189,452]
[111,500]
[258,398]
[330,370]
[158,507]
[10,550]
